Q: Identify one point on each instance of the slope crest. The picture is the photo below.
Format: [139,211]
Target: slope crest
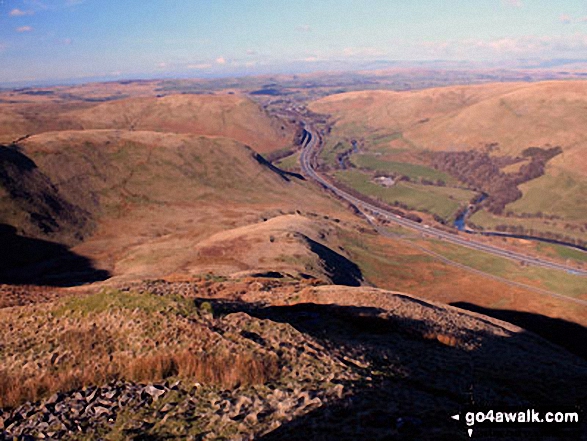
[232,116]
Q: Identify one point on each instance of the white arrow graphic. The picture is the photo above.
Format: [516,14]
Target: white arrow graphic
[456,417]
[470,432]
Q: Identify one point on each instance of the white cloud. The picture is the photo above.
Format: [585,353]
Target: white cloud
[304,28]
[220,60]
[513,3]
[24,29]
[251,52]
[311,59]
[20,13]
[162,65]
[504,48]
[199,66]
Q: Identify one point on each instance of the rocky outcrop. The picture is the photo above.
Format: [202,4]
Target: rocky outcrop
[207,412]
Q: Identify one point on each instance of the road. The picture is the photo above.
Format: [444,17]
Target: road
[308,164]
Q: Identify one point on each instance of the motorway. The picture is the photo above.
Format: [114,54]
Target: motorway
[308,158]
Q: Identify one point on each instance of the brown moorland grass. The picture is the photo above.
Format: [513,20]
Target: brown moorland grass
[19,295]
[516,115]
[156,195]
[226,371]
[277,244]
[231,116]
[114,335]
[393,264]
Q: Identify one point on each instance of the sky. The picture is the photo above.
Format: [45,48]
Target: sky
[58,40]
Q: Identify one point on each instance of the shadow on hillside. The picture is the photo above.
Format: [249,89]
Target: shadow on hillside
[569,335]
[42,206]
[341,270]
[25,260]
[285,175]
[12,155]
[409,382]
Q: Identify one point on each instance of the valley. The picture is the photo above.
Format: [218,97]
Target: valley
[263,259]
[396,143]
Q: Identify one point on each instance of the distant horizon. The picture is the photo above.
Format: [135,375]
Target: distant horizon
[57,41]
[333,68]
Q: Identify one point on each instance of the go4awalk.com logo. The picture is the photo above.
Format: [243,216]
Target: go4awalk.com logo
[567,421]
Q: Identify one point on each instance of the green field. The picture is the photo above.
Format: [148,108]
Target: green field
[557,281]
[562,252]
[290,163]
[413,171]
[490,221]
[443,201]
[562,195]
[381,142]
[376,260]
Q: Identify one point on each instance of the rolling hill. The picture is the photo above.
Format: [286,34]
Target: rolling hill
[136,201]
[231,116]
[208,320]
[514,115]
[283,245]
[228,115]
[503,120]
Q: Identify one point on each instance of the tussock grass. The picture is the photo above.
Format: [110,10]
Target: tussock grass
[225,371]
[116,335]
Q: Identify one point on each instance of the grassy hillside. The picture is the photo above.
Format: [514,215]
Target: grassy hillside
[232,116]
[12,125]
[290,245]
[152,196]
[515,115]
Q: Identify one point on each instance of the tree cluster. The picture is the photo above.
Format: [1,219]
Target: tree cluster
[482,172]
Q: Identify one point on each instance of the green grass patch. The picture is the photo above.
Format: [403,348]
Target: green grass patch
[562,195]
[375,259]
[553,280]
[377,141]
[490,221]
[413,171]
[381,143]
[289,163]
[111,299]
[331,149]
[443,201]
[562,252]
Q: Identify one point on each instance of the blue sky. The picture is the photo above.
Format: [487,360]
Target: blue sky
[52,40]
